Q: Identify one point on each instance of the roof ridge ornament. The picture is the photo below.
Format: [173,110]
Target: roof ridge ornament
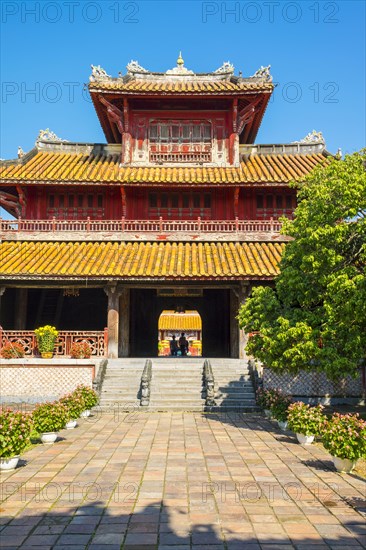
[134,67]
[48,135]
[226,68]
[180,69]
[312,137]
[21,153]
[98,73]
[264,73]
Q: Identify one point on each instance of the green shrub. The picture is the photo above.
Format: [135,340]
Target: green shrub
[74,405]
[50,417]
[304,419]
[344,436]
[15,430]
[88,395]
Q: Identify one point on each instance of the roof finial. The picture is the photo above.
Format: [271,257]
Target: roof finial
[180,61]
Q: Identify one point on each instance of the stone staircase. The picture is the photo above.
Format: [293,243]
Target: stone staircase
[233,386]
[177,385]
[121,385]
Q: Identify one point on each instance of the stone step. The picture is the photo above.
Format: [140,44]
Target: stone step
[177,385]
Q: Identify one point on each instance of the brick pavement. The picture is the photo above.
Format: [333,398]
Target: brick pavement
[180,481]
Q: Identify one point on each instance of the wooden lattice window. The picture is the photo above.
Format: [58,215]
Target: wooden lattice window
[180,141]
[274,205]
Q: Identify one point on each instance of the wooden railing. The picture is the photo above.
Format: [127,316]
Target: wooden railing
[125,226]
[97,340]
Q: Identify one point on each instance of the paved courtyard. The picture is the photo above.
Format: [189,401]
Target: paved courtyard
[179,481]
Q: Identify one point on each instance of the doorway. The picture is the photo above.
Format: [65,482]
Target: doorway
[213,307]
[175,323]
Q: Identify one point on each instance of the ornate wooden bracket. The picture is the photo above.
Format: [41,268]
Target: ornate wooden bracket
[11,202]
[22,200]
[246,114]
[114,114]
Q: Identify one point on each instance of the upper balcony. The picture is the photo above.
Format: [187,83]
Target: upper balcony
[141,230]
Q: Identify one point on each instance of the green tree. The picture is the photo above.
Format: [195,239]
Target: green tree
[315,316]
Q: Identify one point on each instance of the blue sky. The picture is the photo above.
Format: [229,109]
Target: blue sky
[316,50]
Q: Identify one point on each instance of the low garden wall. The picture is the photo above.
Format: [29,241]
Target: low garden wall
[31,380]
[314,387]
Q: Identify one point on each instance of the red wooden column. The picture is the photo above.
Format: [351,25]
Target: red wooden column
[2,290]
[234,138]
[238,338]
[124,323]
[113,294]
[126,137]
[243,337]
[21,299]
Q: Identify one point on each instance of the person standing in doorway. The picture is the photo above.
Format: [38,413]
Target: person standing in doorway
[183,344]
[173,346]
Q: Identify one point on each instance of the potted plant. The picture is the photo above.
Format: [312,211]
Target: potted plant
[89,397]
[80,350]
[48,419]
[12,350]
[46,338]
[15,430]
[265,399]
[74,404]
[344,436]
[279,409]
[305,421]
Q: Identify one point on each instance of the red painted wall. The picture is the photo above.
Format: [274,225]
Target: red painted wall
[69,202]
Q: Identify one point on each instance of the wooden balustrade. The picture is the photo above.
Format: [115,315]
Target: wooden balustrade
[149,226]
[98,341]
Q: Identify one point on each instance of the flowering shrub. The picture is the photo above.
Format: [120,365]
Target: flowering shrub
[344,436]
[11,350]
[279,408]
[74,405]
[15,430]
[88,395]
[46,338]
[304,419]
[80,350]
[266,398]
[50,417]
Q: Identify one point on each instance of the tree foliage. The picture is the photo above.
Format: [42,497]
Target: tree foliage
[315,316]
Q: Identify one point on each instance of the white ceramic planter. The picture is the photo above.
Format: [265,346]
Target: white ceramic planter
[85,413]
[49,437]
[71,424]
[282,425]
[9,463]
[343,464]
[305,439]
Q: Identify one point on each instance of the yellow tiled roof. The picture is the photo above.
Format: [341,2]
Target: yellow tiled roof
[79,167]
[151,86]
[189,320]
[139,260]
